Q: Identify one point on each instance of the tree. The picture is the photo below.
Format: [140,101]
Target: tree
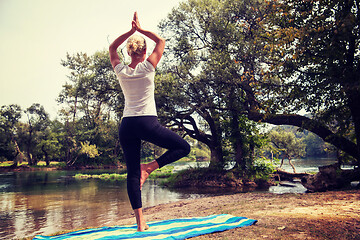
[316,64]
[50,145]
[90,151]
[9,119]
[288,145]
[174,98]
[207,39]
[37,122]
[315,147]
[279,57]
[91,100]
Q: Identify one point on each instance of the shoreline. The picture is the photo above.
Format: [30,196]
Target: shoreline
[326,215]
[27,168]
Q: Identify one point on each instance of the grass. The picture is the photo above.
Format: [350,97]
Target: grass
[10,163]
[39,164]
[104,176]
[164,172]
[197,176]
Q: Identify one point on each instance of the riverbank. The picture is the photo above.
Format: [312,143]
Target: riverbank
[7,167]
[328,215]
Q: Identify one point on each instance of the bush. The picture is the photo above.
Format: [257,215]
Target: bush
[261,169]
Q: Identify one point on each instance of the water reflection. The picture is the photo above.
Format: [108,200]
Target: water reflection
[46,202]
[308,164]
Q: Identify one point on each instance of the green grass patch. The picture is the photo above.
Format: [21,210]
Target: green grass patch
[192,176]
[10,163]
[104,176]
[40,164]
[164,172]
[6,164]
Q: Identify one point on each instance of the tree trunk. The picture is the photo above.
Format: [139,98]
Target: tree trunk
[282,161]
[17,156]
[354,105]
[292,165]
[272,156]
[238,143]
[236,137]
[239,154]
[280,175]
[216,157]
[47,160]
[213,141]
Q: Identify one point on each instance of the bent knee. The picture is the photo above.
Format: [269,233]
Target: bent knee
[186,149]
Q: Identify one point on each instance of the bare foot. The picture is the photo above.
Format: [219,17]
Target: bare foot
[140,221]
[142,227]
[145,172]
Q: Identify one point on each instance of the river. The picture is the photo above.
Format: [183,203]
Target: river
[33,203]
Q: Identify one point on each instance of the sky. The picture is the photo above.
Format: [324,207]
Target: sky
[35,35]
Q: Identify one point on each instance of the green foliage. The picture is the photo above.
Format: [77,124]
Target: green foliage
[61,165]
[31,132]
[200,154]
[212,64]
[261,169]
[92,104]
[90,151]
[267,60]
[9,119]
[314,145]
[319,65]
[286,143]
[199,151]
[5,164]
[194,174]
[105,176]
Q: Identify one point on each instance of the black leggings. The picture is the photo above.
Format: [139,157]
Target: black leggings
[132,131]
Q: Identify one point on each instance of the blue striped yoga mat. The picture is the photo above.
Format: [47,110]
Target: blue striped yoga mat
[174,229]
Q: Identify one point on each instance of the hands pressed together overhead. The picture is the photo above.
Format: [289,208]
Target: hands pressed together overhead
[135,24]
[154,57]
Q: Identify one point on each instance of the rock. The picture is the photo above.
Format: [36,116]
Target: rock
[329,178]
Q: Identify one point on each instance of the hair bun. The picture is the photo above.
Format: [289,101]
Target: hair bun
[136,45]
[133,46]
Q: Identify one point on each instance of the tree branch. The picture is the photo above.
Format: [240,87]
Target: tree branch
[311,125]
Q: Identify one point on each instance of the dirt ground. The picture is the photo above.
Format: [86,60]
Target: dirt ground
[328,215]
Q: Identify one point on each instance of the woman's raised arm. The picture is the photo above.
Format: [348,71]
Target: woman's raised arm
[157,53]
[114,56]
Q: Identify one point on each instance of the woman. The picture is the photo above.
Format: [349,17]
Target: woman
[139,120]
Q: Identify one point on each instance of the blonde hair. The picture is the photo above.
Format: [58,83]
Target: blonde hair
[136,45]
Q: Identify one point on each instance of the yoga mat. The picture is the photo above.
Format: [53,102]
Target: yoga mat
[173,229]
